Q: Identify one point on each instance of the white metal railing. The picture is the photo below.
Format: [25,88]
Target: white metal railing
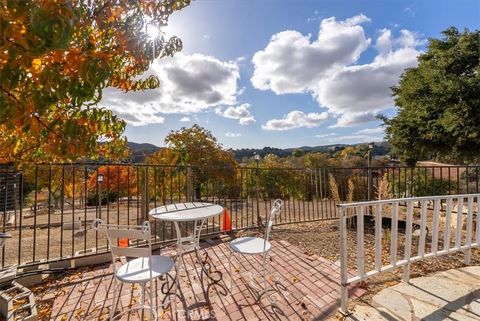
[443,207]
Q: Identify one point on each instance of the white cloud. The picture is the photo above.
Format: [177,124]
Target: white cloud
[353,119]
[354,139]
[327,67]
[365,89]
[371,131]
[242,113]
[139,117]
[325,135]
[296,119]
[291,63]
[188,84]
[185,119]
[233,135]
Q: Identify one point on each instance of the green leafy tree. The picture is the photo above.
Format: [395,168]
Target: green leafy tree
[56,57]
[198,148]
[438,102]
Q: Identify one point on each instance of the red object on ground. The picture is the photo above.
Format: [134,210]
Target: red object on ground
[226,221]
[123,242]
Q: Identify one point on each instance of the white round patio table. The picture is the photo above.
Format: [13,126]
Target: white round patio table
[198,213]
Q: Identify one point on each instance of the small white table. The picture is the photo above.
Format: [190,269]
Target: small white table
[198,213]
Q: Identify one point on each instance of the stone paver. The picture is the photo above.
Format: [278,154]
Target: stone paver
[302,288]
[447,295]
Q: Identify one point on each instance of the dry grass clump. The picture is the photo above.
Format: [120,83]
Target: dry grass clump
[383,189]
[334,188]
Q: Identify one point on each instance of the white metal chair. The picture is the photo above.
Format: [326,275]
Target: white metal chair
[256,245]
[142,269]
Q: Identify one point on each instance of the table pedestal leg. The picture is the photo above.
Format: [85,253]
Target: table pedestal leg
[189,243]
[208,269]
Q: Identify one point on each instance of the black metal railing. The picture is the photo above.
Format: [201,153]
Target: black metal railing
[48,209]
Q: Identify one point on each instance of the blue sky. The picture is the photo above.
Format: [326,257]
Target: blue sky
[286,73]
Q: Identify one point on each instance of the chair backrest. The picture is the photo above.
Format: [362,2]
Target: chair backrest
[274,212]
[115,233]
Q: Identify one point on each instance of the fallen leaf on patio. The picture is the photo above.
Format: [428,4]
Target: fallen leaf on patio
[303,305]
[294,279]
[19,302]
[83,288]
[96,307]
[60,292]
[64,317]
[79,313]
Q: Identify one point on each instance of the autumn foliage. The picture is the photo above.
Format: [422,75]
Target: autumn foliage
[197,149]
[121,180]
[56,57]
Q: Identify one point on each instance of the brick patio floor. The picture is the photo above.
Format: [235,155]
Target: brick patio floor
[301,287]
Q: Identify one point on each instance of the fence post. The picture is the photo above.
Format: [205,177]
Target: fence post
[146,196]
[408,242]
[343,263]
[190,185]
[468,242]
[259,219]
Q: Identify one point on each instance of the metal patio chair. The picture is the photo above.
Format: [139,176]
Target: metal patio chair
[255,245]
[142,268]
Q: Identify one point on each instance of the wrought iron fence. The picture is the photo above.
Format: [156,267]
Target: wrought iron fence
[48,209]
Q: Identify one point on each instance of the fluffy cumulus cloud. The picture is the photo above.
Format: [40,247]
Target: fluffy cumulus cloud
[185,119]
[353,119]
[140,116]
[232,135]
[371,131]
[242,113]
[292,63]
[328,68]
[296,119]
[189,84]
[360,136]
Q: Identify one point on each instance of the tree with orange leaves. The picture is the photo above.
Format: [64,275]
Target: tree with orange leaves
[56,57]
[118,179]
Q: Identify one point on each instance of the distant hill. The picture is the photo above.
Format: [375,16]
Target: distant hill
[381,148]
[140,151]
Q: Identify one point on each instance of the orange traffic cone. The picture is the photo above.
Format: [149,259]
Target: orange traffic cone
[123,242]
[226,221]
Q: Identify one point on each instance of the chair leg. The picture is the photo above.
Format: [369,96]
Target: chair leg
[177,285]
[151,301]
[265,259]
[230,271]
[115,298]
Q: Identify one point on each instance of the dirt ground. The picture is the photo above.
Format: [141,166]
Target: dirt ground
[49,236]
[322,238]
